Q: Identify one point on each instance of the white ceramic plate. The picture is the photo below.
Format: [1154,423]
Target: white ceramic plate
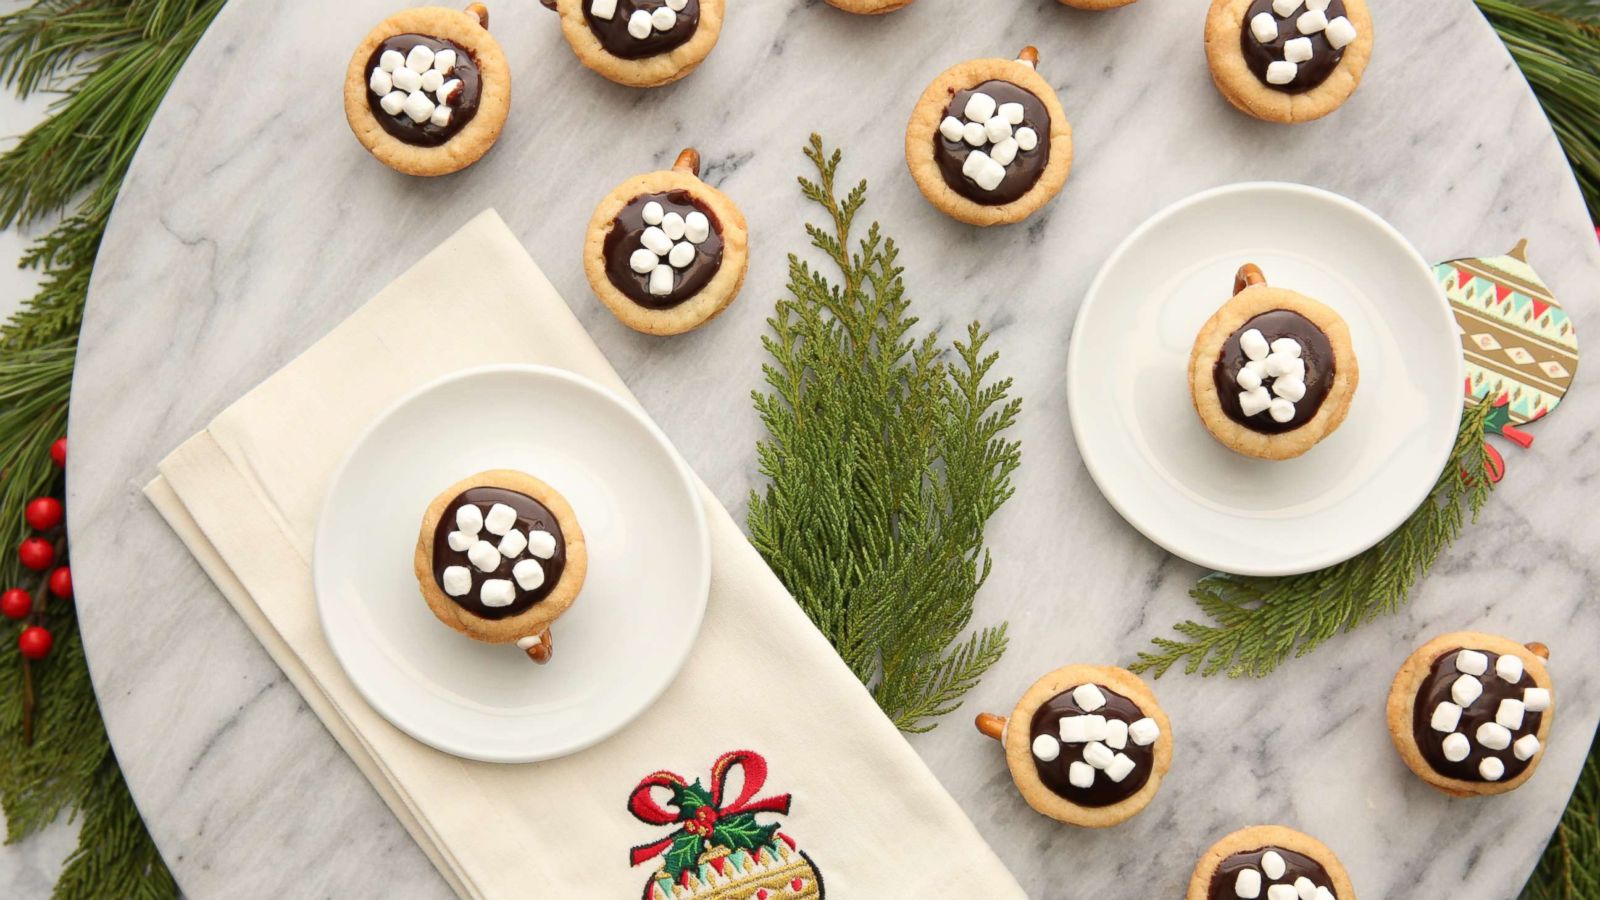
[1137,430]
[618,647]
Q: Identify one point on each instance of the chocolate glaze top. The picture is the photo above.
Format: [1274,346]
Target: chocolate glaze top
[1309,74]
[463,103]
[1314,349]
[624,240]
[1023,172]
[1296,865]
[1436,689]
[613,33]
[531,516]
[1104,791]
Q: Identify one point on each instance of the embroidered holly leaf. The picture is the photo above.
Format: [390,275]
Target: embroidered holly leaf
[683,854]
[742,832]
[690,797]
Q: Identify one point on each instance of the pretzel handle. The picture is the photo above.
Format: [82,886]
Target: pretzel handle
[539,647]
[1538,649]
[688,161]
[990,725]
[482,12]
[1029,55]
[1248,276]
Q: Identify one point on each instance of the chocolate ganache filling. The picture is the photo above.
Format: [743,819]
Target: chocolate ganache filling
[462,100]
[685,238]
[1225,883]
[532,516]
[1485,709]
[1056,774]
[1325,58]
[616,33]
[1031,154]
[1315,352]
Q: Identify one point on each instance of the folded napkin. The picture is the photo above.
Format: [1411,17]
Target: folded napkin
[856,807]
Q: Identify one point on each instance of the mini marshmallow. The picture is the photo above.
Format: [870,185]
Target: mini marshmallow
[653,213]
[1046,748]
[1080,775]
[1289,389]
[418,107]
[1494,736]
[1285,8]
[431,80]
[1296,51]
[1144,732]
[975,134]
[1279,365]
[1287,346]
[952,128]
[997,128]
[484,555]
[1273,865]
[1121,766]
[1281,410]
[380,83]
[469,518]
[1282,892]
[1311,22]
[1248,885]
[1324,894]
[677,5]
[529,574]
[1465,690]
[1446,716]
[1472,662]
[1281,72]
[656,241]
[1264,27]
[1088,697]
[664,18]
[661,280]
[1304,887]
[391,60]
[497,592]
[1318,5]
[499,519]
[457,580]
[1097,754]
[512,545]
[1509,713]
[1096,727]
[459,541]
[643,261]
[1027,138]
[1116,736]
[603,9]
[1525,747]
[542,544]
[639,24]
[984,171]
[1509,668]
[1004,152]
[1082,729]
[1536,699]
[1248,379]
[1341,32]
[696,227]
[407,80]
[1012,112]
[393,102]
[1258,366]
[444,62]
[449,91]
[420,59]
[1254,344]
[980,107]
[1491,768]
[441,116]
[528,642]
[672,224]
[682,254]
[1456,747]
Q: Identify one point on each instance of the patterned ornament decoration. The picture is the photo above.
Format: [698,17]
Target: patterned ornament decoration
[719,851]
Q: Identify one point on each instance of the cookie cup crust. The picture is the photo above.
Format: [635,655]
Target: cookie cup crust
[1403,702]
[1250,95]
[1019,746]
[712,299]
[1242,307]
[652,71]
[1258,836]
[535,619]
[869,7]
[469,144]
[924,124]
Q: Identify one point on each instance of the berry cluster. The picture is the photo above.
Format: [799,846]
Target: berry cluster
[44,552]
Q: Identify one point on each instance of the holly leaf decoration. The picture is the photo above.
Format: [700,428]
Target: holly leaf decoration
[690,797]
[683,854]
[742,832]
[1499,416]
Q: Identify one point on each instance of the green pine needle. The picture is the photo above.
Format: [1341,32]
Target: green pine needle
[884,461]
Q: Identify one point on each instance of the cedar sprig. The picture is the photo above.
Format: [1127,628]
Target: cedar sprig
[884,459]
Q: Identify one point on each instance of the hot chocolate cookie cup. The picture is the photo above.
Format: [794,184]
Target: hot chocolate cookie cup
[529,627]
[1034,179]
[469,139]
[1228,26]
[1266,837]
[668,314]
[1117,696]
[700,19]
[1417,671]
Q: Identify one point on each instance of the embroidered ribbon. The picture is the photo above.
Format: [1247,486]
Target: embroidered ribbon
[701,820]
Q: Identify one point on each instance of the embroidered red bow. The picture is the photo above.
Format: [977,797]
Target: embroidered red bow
[700,812]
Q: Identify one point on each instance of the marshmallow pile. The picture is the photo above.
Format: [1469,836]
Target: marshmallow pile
[989,124]
[1278,362]
[1101,738]
[468,538]
[1248,883]
[1264,27]
[671,237]
[643,21]
[1496,735]
[404,83]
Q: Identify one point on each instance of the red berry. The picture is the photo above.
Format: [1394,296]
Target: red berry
[58,453]
[35,641]
[16,603]
[43,513]
[37,554]
[61,582]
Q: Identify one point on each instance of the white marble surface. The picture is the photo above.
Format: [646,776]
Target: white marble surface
[252,222]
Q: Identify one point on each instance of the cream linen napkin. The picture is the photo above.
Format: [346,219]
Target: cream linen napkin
[245,493]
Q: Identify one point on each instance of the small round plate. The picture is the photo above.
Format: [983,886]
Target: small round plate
[1143,443]
[618,647]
